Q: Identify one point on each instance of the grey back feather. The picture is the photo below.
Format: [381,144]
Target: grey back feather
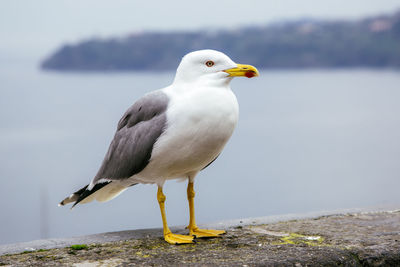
[137,131]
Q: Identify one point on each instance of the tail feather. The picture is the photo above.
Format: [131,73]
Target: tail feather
[81,194]
[101,192]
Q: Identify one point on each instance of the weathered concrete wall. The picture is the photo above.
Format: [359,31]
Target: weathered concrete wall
[361,238]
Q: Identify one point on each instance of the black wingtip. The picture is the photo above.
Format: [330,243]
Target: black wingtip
[85,193]
[73,197]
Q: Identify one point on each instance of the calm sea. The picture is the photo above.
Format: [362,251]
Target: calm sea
[306,141]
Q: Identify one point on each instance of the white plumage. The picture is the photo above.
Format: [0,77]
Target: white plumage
[201,116]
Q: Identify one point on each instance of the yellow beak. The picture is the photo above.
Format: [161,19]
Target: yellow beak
[243,70]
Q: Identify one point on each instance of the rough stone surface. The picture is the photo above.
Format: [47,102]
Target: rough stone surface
[358,239]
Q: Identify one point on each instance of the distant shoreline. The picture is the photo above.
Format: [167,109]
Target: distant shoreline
[367,43]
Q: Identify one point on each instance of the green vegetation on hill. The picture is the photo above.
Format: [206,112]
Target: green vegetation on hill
[371,42]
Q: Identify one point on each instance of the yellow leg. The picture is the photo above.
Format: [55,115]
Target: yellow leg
[194,230]
[168,235]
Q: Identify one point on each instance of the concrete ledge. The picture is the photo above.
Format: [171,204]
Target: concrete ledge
[348,237]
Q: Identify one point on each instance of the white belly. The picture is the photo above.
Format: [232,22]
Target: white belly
[199,125]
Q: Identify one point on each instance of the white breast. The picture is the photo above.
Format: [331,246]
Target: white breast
[200,122]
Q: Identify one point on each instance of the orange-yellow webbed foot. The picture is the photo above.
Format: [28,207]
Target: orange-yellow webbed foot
[176,239]
[205,233]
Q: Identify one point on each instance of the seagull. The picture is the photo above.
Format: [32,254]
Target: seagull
[172,133]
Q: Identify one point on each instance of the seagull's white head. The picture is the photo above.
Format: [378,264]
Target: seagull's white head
[210,67]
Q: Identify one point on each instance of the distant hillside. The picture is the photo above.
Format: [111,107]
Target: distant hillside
[371,42]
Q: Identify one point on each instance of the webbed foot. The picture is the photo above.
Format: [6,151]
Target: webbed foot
[178,239]
[206,233]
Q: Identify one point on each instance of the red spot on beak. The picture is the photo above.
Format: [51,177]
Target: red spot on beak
[250,74]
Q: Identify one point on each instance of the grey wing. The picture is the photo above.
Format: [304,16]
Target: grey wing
[137,131]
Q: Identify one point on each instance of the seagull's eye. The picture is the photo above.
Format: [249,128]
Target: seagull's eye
[210,63]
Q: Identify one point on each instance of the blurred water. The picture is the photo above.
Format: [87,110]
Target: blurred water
[306,141]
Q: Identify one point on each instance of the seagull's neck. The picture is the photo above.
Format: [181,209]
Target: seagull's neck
[184,87]
[206,81]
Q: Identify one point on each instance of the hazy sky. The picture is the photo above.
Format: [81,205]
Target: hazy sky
[34,28]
